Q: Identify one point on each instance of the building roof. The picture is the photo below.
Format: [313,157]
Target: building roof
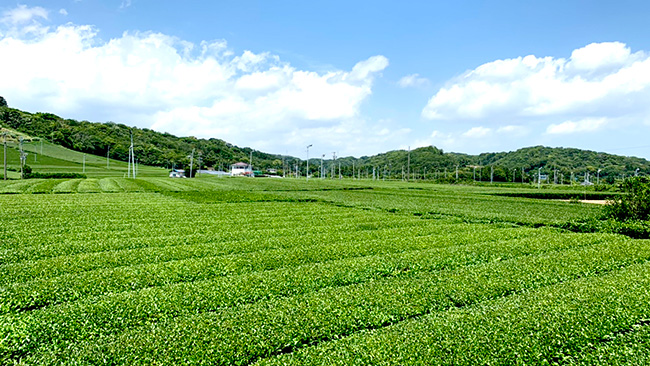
[240,164]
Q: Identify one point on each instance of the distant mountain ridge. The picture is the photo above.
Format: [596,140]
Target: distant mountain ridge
[163,149]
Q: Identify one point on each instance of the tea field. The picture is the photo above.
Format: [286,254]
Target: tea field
[227,271]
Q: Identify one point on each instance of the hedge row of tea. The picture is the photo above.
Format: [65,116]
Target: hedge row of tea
[244,271]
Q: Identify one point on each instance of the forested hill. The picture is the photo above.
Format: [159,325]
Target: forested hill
[163,149]
[151,147]
[560,163]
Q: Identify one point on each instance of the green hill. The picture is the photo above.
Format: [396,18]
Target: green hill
[151,147]
[557,163]
[45,157]
[65,141]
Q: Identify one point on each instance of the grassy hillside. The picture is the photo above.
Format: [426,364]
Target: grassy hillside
[151,147]
[45,157]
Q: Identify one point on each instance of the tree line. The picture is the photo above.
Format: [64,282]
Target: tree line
[558,165]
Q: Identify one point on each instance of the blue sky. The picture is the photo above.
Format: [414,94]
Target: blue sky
[357,77]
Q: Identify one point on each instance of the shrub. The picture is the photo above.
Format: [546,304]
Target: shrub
[634,204]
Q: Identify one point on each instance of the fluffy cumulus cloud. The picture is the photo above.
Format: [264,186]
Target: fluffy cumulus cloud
[597,82]
[162,82]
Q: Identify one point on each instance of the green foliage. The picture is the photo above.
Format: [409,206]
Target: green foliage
[634,204]
[37,175]
[3,102]
[561,195]
[426,163]
[151,147]
[226,271]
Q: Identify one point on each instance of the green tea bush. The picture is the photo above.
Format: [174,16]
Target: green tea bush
[37,175]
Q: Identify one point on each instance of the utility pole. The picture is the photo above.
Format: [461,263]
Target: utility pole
[491,174]
[83,169]
[308,146]
[408,165]
[340,177]
[456,171]
[131,166]
[192,163]
[4,135]
[333,163]
[108,150]
[539,177]
[22,158]
[598,177]
[522,175]
[322,169]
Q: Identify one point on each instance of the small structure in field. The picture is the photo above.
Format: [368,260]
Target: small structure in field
[241,169]
[177,173]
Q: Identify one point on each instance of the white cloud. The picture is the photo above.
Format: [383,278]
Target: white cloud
[23,14]
[413,80]
[63,12]
[600,79]
[365,69]
[125,4]
[512,130]
[584,125]
[598,55]
[438,139]
[161,82]
[477,132]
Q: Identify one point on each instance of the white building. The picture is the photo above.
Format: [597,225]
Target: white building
[241,169]
[177,173]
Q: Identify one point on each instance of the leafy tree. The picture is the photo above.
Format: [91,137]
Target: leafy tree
[634,204]
[3,102]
